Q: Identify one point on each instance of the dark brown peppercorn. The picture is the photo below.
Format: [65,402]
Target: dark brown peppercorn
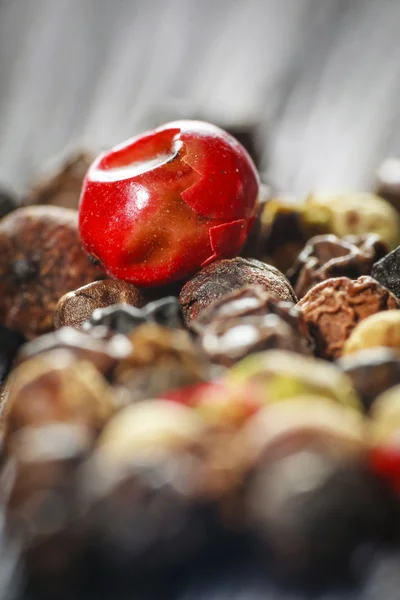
[226,342]
[250,320]
[63,187]
[327,256]
[248,301]
[41,259]
[334,307]
[226,276]
[74,308]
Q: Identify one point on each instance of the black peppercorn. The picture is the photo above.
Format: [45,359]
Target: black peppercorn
[328,256]
[387,271]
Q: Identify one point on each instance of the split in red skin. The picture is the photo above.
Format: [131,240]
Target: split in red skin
[160,206]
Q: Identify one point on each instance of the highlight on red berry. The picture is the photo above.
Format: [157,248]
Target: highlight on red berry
[162,205]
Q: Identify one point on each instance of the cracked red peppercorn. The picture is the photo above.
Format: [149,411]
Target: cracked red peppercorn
[160,206]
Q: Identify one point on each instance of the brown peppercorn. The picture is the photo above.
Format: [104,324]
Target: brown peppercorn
[250,320]
[57,388]
[162,359]
[327,256]
[102,348]
[248,301]
[41,259]
[62,187]
[224,277]
[333,308]
[226,342]
[74,308]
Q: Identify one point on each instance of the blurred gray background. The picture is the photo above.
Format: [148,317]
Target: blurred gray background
[322,77]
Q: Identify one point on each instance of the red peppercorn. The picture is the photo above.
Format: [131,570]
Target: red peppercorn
[162,205]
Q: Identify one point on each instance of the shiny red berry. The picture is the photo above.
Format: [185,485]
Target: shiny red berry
[160,206]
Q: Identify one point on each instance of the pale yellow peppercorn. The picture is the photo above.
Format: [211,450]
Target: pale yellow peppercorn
[379,330]
[353,214]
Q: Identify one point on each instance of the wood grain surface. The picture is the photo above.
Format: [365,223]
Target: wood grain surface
[321,76]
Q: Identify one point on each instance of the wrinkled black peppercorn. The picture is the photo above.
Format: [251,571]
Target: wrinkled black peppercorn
[387,271]
[326,256]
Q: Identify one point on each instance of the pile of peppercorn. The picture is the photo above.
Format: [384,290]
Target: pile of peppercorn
[254,399]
